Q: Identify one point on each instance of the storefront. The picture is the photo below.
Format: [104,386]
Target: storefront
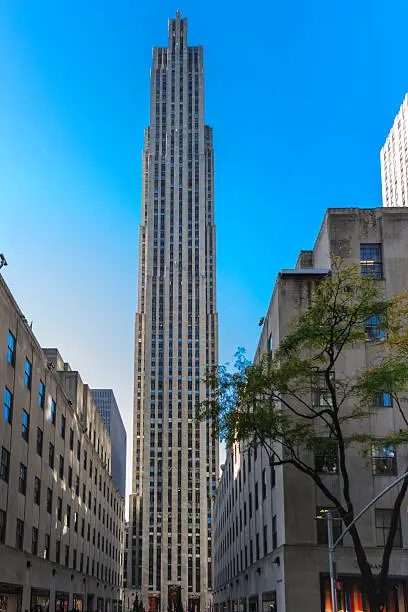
[78,603]
[40,600]
[350,597]
[99,604]
[11,596]
[253,603]
[61,601]
[269,601]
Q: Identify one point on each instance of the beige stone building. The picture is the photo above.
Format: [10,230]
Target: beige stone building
[175,458]
[270,552]
[61,515]
[394,161]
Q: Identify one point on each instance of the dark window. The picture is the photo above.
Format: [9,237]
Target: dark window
[382,527]
[57,551]
[47,546]
[49,500]
[70,477]
[41,394]
[62,426]
[71,439]
[68,516]
[20,534]
[27,374]
[77,486]
[375,328]
[8,405]
[263,484]
[79,450]
[3,517]
[5,464]
[53,412]
[25,425]
[22,479]
[256,496]
[321,396]
[326,459]
[384,459]
[371,260]
[34,542]
[76,522]
[265,540]
[39,441]
[67,556]
[59,509]
[257,546]
[85,459]
[37,491]
[274,533]
[321,525]
[51,454]
[11,349]
[383,399]
[61,467]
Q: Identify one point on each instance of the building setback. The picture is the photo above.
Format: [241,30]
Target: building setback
[175,459]
[107,406]
[269,552]
[394,161]
[61,515]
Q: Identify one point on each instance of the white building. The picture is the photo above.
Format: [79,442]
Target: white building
[394,161]
[61,514]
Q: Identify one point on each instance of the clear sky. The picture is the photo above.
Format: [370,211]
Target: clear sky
[301,96]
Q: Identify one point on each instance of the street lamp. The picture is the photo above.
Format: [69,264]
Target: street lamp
[332,545]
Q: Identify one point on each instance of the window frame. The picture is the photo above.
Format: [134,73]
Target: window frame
[11,350]
[5,465]
[398,541]
[22,479]
[8,405]
[372,264]
[25,425]
[384,464]
[28,372]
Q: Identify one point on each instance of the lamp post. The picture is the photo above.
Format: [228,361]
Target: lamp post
[332,545]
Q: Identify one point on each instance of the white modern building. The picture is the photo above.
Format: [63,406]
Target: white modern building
[175,458]
[270,552]
[394,161]
[61,514]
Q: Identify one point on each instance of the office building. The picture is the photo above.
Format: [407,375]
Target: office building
[394,161]
[175,458]
[271,553]
[107,406]
[61,514]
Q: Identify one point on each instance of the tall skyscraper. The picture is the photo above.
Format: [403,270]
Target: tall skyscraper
[175,459]
[394,161]
[107,406]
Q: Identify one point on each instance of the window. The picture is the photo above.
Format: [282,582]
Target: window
[53,412]
[68,516]
[263,484]
[4,464]
[265,540]
[67,556]
[39,441]
[3,517]
[11,349]
[257,546]
[384,459]
[76,522]
[61,467]
[321,525]
[59,509]
[47,546]
[51,454]
[71,439]
[371,260]
[70,477]
[22,479]
[41,395]
[8,405]
[77,486]
[25,425]
[62,427]
[57,551]
[37,491]
[256,496]
[382,527]
[321,394]
[20,534]
[49,500]
[34,542]
[383,399]
[326,460]
[85,459]
[79,450]
[27,374]
[274,533]
[375,328]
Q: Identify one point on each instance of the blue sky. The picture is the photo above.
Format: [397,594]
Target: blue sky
[300,95]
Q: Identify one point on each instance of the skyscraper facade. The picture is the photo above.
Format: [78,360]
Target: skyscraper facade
[394,161]
[107,406]
[175,458]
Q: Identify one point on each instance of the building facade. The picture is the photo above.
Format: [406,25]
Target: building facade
[394,161]
[270,551]
[107,406]
[61,514]
[175,459]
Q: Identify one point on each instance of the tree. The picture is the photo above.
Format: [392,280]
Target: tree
[304,409]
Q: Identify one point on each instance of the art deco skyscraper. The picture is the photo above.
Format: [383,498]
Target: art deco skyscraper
[175,459]
[394,161]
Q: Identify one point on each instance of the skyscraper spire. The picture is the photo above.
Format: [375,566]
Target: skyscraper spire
[175,459]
